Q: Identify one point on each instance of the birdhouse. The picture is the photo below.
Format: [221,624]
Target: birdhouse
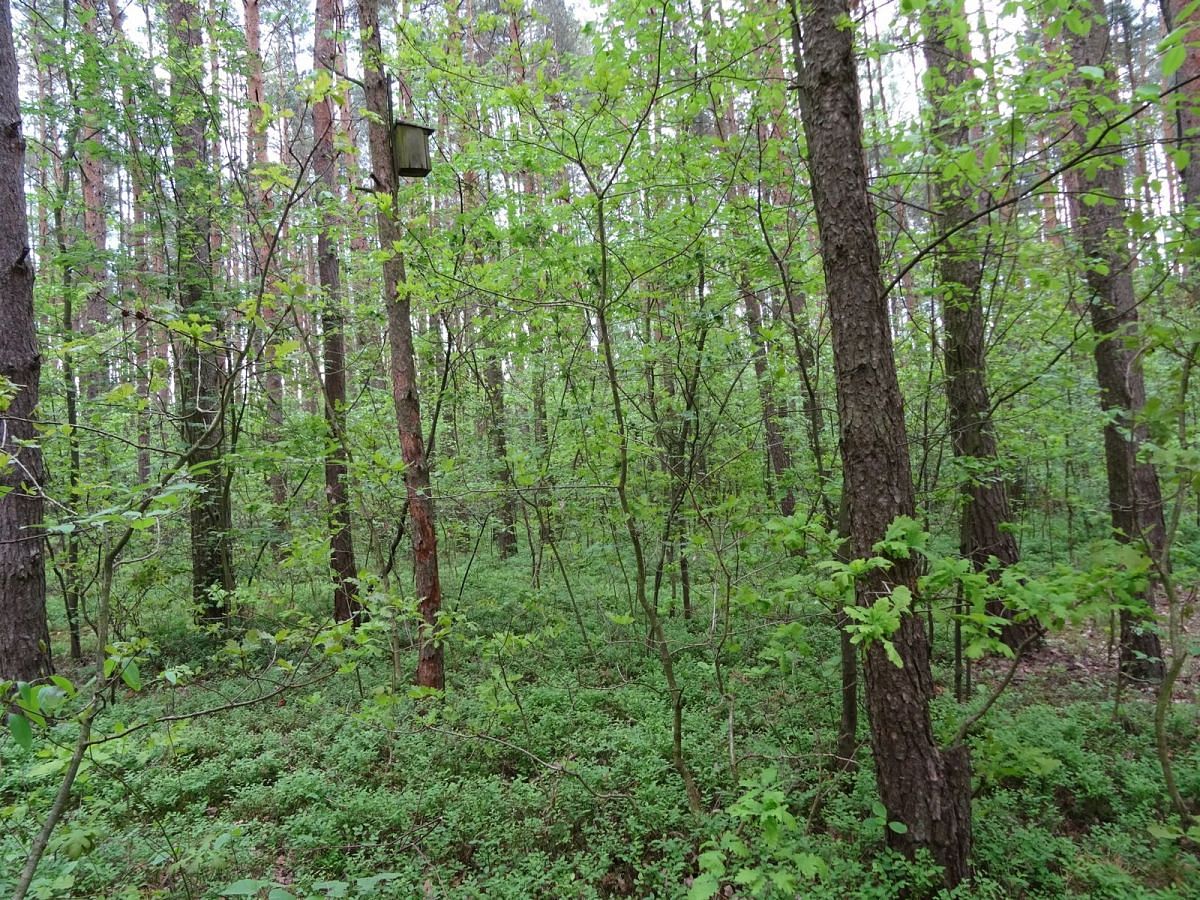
[410,149]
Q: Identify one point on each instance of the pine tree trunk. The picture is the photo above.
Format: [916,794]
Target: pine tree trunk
[430,662]
[70,573]
[985,511]
[923,787]
[262,242]
[337,493]
[95,226]
[200,371]
[24,636]
[1134,496]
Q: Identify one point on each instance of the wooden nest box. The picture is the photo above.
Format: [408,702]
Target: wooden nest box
[410,149]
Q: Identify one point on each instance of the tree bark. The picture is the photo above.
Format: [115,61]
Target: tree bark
[200,370]
[143,337]
[985,509]
[341,536]
[24,636]
[925,788]
[262,241]
[430,663]
[91,177]
[1098,207]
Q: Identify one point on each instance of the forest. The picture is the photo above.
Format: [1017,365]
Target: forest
[541,449]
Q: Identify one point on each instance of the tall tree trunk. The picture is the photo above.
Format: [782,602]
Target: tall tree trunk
[262,242]
[200,372]
[91,177]
[1134,496]
[341,535]
[985,510]
[430,662]
[141,263]
[70,574]
[925,788]
[24,636]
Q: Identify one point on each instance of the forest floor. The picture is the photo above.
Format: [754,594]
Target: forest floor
[1082,663]
[545,770]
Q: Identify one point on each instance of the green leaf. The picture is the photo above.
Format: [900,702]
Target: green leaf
[749,876]
[893,654]
[712,861]
[21,731]
[247,887]
[898,827]
[1164,832]
[132,676]
[1173,59]
[810,865]
[367,884]
[704,887]
[333,888]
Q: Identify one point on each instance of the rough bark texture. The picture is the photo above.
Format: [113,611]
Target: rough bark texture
[201,378]
[430,662]
[337,493]
[960,276]
[1134,497]
[24,638]
[921,786]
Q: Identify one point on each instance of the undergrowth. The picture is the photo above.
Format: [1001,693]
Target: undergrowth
[545,771]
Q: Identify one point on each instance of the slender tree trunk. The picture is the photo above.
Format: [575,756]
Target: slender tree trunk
[337,492]
[70,575]
[541,445]
[493,378]
[923,787]
[430,663]
[141,264]
[24,636]
[985,510]
[1134,496]
[200,370]
[91,177]
[262,235]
